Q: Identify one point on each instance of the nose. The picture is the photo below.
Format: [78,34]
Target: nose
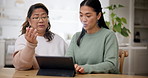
[40,19]
[83,19]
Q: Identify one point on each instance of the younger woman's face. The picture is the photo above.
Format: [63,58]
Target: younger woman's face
[89,18]
[39,20]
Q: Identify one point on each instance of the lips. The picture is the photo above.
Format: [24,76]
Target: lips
[41,25]
[84,25]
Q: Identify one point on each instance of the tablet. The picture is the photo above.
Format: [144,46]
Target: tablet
[56,66]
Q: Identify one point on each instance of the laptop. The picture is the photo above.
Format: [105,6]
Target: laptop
[56,66]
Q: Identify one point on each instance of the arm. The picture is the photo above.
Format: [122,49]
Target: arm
[23,58]
[110,63]
[70,50]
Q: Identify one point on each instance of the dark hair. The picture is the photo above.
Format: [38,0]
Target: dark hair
[48,34]
[96,5]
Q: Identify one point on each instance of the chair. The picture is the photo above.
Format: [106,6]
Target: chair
[122,55]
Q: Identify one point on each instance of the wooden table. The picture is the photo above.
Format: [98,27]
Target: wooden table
[12,73]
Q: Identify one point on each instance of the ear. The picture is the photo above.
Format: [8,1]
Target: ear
[29,21]
[99,15]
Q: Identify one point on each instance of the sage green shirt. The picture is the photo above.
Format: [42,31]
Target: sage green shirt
[97,53]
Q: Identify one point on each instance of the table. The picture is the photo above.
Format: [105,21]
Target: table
[12,73]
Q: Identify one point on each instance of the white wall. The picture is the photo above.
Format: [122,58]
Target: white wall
[2,53]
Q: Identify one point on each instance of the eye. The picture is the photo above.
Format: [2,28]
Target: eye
[81,15]
[44,17]
[35,18]
[88,16]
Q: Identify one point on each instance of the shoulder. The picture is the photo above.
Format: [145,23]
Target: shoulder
[77,34]
[21,38]
[20,43]
[109,36]
[58,38]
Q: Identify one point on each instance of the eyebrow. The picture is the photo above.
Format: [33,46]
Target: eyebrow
[86,13]
[41,14]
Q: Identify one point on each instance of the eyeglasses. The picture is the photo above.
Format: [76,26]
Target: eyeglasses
[38,18]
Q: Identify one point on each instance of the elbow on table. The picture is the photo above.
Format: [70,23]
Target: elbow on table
[21,65]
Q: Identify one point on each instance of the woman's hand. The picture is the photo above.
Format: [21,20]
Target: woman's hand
[79,68]
[31,35]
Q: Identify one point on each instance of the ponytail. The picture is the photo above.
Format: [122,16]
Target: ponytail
[81,35]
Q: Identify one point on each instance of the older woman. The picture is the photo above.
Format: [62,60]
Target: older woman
[36,39]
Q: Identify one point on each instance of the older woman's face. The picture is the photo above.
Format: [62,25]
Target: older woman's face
[39,20]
